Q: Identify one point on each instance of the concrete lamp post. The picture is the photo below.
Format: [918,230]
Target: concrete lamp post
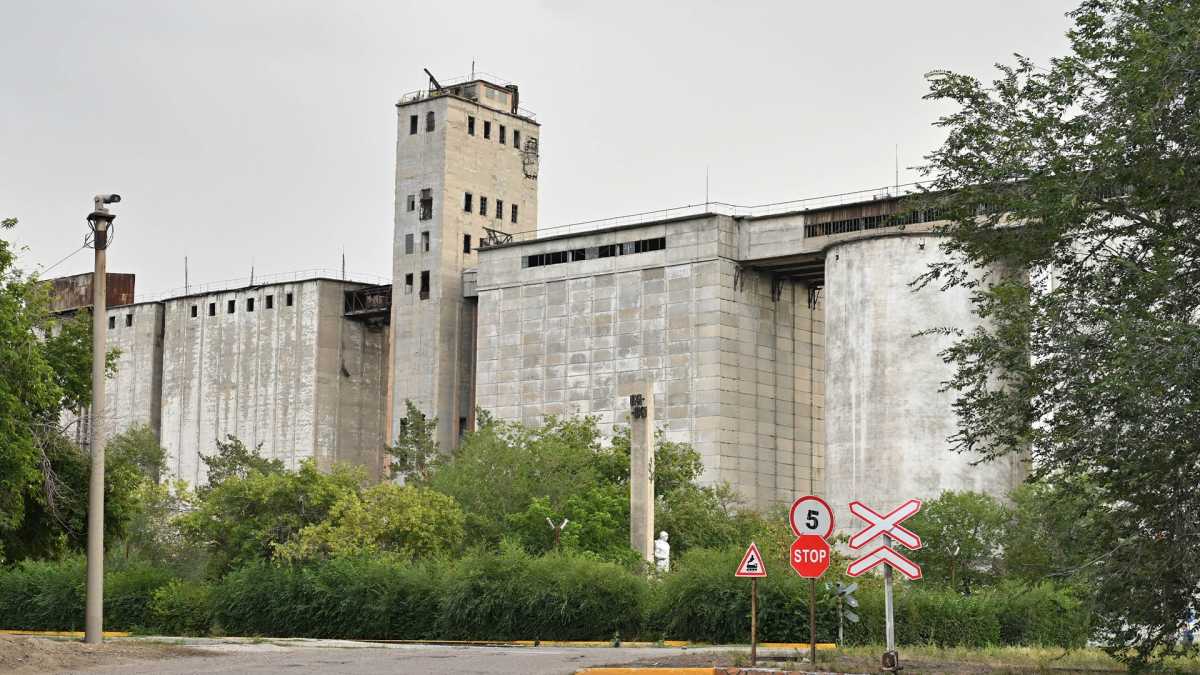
[100,220]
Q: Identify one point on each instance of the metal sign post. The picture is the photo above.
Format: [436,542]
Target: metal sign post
[886,526]
[811,521]
[752,567]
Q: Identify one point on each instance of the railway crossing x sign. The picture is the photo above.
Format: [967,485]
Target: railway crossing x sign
[887,526]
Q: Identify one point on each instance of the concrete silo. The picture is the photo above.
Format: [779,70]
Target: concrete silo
[887,422]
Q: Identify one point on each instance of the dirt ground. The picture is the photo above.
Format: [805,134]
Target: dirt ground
[22,654]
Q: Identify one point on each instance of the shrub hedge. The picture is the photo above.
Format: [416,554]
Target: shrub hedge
[509,594]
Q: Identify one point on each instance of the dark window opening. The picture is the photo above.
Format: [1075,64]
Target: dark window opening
[483,206]
[412,202]
[425,241]
[470,125]
[112,322]
[212,309]
[128,320]
[408,283]
[412,124]
[487,129]
[426,204]
[468,202]
[503,134]
[516,139]
[647,245]
[230,306]
[514,213]
[270,302]
[466,243]
[462,426]
[500,209]
[195,312]
[424,285]
[287,300]
[609,250]
[249,304]
[429,121]
[408,243]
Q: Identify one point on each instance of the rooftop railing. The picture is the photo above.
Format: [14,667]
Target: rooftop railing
[717,208]
[263,280]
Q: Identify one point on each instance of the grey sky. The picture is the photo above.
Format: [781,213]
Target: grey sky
[263,133]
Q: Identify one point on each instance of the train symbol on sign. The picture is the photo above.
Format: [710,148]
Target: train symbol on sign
[752,564]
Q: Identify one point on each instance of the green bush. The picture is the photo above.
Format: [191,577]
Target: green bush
[701,600]
[127,595]
[512,595]
[1042,614]
[182,608]
[43,595]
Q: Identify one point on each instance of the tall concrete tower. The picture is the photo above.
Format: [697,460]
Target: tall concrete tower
[466,171]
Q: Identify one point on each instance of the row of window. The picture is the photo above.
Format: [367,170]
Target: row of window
[469,206]
[231,305]
[605,251]
[409,242]
[408,284]
[487,132]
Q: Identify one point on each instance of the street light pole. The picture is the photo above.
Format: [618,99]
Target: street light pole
[100,219]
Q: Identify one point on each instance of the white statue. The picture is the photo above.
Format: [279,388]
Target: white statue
[662,552]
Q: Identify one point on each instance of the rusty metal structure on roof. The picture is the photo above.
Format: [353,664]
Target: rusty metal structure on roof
[73,293]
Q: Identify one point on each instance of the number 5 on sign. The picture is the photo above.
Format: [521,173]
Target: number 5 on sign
[811,515]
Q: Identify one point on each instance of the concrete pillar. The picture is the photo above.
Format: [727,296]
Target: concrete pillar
[641,471]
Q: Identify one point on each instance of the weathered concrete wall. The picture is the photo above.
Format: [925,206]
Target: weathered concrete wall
[720,347]
[431,345]
[887,421]
[133,392]
[271,377]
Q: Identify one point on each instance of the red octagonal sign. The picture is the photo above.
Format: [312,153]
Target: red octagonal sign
[810,556]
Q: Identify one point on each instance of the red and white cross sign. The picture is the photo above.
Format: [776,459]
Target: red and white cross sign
[885,525]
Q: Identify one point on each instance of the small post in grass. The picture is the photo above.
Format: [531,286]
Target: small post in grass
[752,567]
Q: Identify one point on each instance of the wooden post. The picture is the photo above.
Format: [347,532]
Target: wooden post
[754,621]
[812,621]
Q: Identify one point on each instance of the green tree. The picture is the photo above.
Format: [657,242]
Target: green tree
[138,446]
[962,536]
[243,518]
[410,521]
[415,452]
[234,460]
[1083,174]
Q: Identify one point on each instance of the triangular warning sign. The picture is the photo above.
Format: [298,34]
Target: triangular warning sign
[752,564]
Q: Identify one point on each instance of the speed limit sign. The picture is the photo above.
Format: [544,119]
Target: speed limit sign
[811,515]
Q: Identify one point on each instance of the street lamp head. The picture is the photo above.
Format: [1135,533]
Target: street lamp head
[101,200]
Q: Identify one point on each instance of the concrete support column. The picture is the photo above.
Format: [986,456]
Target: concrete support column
[641,471]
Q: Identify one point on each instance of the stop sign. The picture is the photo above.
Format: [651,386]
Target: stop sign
[809,556]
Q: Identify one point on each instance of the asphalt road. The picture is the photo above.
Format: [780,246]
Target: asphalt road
[340,657]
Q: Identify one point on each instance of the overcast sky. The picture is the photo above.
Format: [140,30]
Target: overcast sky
[263,133]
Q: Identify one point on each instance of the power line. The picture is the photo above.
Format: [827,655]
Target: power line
[66,258]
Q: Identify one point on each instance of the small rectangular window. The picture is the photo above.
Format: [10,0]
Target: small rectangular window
[128,320]
[212,309]
[468,202]
[470,125]
[426,204]
[466,243]
[230,306]
[514,213]
[425,241]
[429,121]
[412,124]
[408,244]
[487,129]
[424,285]
[287,300]
[408,283]
[462,427]
[500,209]
[516,139]
[112,322]
[609,250]
[195,312]
[270,302]
[483,206]
[249,304]
[503,135]
[412,202]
